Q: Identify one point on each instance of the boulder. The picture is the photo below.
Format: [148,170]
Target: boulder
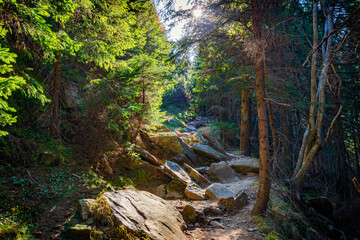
[147,156]
[212,211]
[217,191]
[245,165]
[208,151]
[172,143]
[162,128]
[78,232]
[323,205]
[176,172]
[83,208]
[189,213]
[223,172]
[157,172]
[232,204]
[241,200]
[48,159]
[139,142]
[145,212]
[168,140]
[196,176]
[72,94]
[241,185]
[188,152]
[194,192]
[164,191]
[181,159]
[227,204]
[203,170]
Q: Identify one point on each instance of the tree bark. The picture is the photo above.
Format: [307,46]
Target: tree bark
[54,123]
[245,121]
[314,142]
[54,126]
[264,167]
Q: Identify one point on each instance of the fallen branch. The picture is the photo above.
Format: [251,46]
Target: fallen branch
[276,102]
[32,180]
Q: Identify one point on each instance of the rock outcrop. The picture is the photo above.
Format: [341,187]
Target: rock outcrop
[144,212]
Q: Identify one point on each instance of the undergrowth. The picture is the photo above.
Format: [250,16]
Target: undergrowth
[280,221]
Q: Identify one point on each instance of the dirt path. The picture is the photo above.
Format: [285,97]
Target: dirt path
[233,226]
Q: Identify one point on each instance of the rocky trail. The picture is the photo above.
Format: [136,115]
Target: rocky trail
[217,194]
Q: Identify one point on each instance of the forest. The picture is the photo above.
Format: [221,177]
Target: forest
[180,119]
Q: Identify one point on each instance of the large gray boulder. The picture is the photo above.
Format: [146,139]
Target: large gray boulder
[176,172]
[145,212]
[217,191]
[245,165]
[223,172]
[208,152]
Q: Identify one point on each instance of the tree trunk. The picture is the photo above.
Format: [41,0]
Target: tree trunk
[54,124]
[264,168]
[314,142]
[340,153]
[245,121]
[284,141]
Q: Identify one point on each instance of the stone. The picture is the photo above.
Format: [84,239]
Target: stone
[190,213]
[167,140]
[196,176]
[245,165]
[145,212]
[323,205]
[217,191]
[242,184]
[203,170]
[48,159]
[83,208]
[154,171]
[139,142]
[241,200]
[208,151]
[72,94]
[188,152]
[180,159]
[147,156]
[176,172]
[216,224]
[164,192]
[79,232]
[228,204]
[194,192]
[212,211]
[163,128]
[223,172]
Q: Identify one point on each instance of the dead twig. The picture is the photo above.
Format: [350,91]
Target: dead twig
[32,180]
